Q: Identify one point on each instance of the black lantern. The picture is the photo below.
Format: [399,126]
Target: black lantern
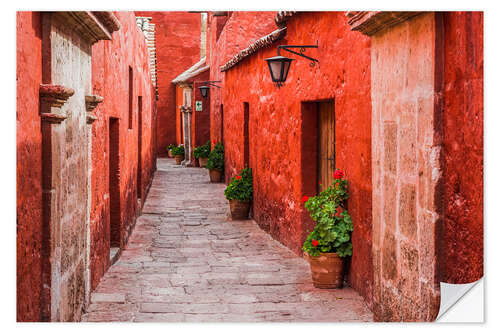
[279,65]
[204,91]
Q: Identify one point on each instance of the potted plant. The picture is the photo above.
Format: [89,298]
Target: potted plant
[330,241]
[169,150]
[201,153]
[239,193]
[178,153]
[215,163]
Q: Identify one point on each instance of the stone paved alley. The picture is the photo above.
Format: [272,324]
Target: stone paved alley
[187,261]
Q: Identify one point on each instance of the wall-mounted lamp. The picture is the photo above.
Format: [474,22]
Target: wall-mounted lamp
[205,89]
[279,65]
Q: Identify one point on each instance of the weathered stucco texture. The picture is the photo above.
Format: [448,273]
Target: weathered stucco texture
[461,256]
[282,131]
[68,64]
[226,35]
[62,112]
[29,166]
[178,48]
[54,266]
[406,175]
[110,70]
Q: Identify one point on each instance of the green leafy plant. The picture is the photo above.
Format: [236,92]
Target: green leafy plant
[332,233]
[178,150]
[202,151]
[216,158]
[241,186]
[170,146]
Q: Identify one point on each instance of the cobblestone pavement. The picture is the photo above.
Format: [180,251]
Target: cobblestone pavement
[187,261]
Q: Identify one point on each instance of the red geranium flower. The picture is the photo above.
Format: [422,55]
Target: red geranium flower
[238,177]
[315,242]
[339,211]
[319,183]
[214,142]
[305,198]
[338,174]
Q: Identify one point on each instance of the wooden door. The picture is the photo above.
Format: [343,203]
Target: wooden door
[326,144]
[114,182]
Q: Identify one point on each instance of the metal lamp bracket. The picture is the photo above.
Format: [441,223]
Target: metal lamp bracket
[302,49]
[210,83]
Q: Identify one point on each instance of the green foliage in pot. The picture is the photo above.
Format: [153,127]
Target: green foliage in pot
[241,186]
[202,151]
[178,150]
[332,233]
[216,158]
[170,146]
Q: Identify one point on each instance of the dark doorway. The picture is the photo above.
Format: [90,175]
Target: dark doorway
[139,151]
[326,144]
[114,183]
[130,95]
[246,134]
[317,152]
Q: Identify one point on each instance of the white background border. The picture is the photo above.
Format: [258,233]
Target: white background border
[8,136]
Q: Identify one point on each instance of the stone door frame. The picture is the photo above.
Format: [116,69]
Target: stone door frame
[66,33]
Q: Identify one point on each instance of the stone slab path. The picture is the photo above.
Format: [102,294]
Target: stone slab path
[187,261]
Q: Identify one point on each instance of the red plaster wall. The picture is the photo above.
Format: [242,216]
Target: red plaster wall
[226,35]
[277,131]
[461,258]
[29,166]
[110,63]
[178,48]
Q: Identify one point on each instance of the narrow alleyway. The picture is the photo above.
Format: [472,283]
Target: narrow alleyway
[187,261]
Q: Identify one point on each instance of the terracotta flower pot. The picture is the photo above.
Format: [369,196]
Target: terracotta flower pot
[215,175]
[203,161]
[239,209]
[327,271]
[179,159]
[170,154]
